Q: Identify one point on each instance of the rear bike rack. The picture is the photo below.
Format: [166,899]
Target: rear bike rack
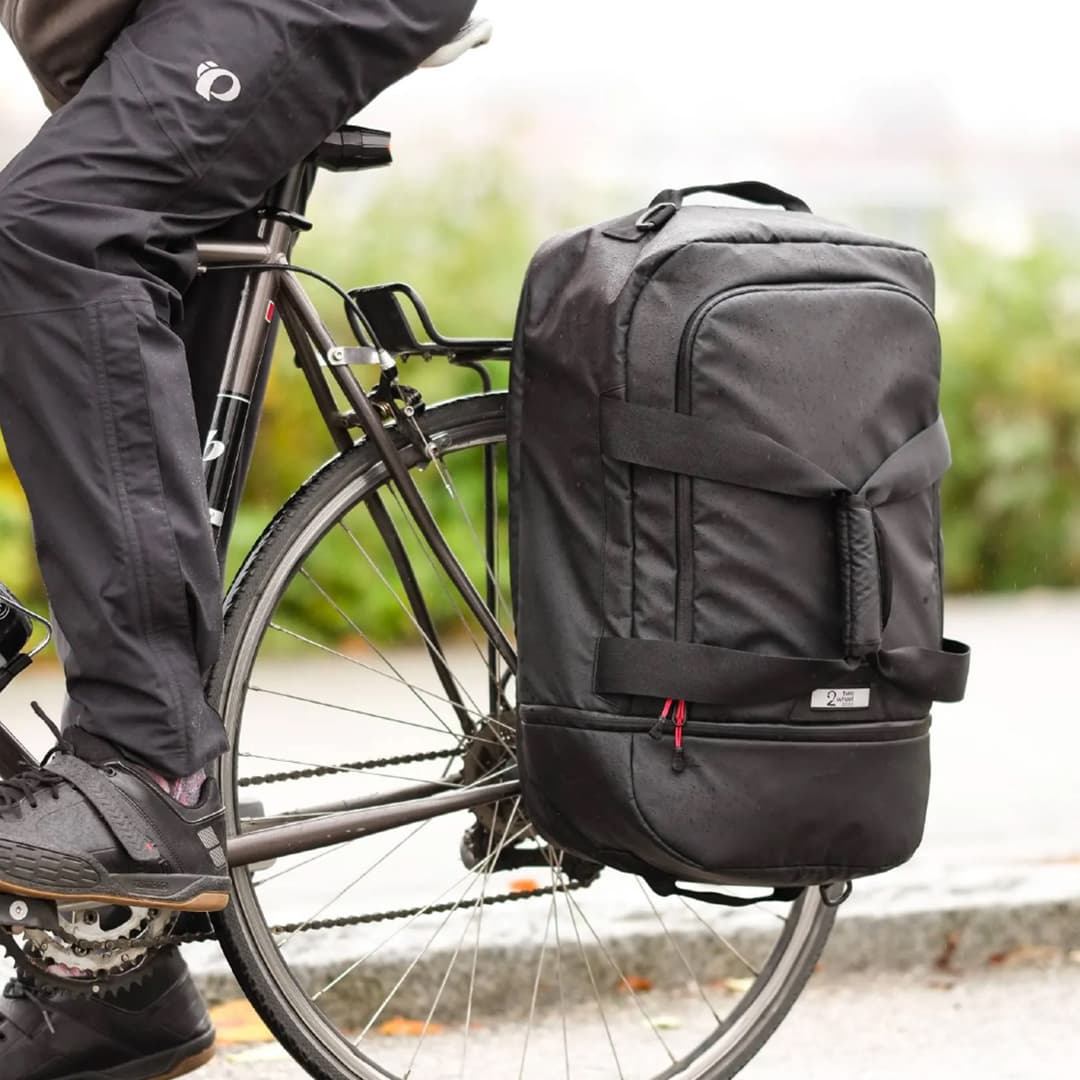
[387,325]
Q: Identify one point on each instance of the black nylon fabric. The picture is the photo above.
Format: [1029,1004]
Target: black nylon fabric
[726,449]
[98,221]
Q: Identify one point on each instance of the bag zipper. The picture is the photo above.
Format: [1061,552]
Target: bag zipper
[678,761]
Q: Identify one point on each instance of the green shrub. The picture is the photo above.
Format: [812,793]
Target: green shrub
[1011,396]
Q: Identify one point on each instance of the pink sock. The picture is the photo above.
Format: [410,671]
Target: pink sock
[186,790]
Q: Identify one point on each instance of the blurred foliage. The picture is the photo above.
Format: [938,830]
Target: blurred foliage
[1011,396]
[463,238]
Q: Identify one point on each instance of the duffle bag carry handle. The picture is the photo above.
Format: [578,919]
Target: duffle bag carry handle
[668,203]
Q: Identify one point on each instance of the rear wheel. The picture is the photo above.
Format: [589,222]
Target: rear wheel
[461,945]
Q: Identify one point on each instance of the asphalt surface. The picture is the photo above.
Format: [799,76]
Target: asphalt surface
[1007,1024]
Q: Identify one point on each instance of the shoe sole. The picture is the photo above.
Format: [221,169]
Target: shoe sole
[166,1066]
[203,902]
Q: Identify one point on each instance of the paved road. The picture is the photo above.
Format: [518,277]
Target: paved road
[1001,1025]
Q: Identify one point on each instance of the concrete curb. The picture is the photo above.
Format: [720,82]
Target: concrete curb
[950,941]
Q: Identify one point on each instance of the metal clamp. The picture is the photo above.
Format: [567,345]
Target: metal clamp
[355,356]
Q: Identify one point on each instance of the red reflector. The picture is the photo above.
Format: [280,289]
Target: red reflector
[270,310]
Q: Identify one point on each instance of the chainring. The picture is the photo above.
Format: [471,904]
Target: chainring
[112,946]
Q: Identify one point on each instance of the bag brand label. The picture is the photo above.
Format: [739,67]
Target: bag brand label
[845,698]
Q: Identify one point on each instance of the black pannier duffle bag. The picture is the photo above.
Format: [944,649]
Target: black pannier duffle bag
[725,456]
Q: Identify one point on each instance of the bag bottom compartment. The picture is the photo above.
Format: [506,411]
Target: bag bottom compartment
[605,788]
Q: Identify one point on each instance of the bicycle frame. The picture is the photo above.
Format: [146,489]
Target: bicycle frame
[272,293]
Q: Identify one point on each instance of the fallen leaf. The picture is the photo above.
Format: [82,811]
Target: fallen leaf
[238,1024]
[524,884]
[400,1026]
[735,986]
[944,962]
[666,1023]
[636,983]
[1025,954]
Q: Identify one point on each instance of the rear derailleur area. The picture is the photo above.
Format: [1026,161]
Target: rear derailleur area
[503,837]
[81,949]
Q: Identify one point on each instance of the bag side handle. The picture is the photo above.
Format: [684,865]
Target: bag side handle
[668,203]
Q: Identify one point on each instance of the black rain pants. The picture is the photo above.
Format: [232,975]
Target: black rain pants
[199,108]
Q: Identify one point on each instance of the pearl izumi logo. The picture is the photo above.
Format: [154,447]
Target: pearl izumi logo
[217,83]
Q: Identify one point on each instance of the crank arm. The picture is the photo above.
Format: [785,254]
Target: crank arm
[27,913]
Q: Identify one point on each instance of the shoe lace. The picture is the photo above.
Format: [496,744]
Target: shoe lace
[17,990]
[34,781]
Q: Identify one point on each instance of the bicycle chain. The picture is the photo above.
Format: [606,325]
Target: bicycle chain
[372,918]
[356,766]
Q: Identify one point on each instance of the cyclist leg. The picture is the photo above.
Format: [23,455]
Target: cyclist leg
[200,107]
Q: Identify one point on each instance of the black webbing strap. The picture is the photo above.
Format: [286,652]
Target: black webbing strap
[919,464]
[114,809]
[665,886]
[693,446]
[709,673]
[939,675]
[691,672]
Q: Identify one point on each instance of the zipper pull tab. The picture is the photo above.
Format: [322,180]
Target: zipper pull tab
[657,730]
[678,762]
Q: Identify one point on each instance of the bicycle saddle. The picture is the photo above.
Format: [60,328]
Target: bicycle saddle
[472,35]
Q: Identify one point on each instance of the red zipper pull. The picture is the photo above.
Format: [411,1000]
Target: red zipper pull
[657,730]
[678,762]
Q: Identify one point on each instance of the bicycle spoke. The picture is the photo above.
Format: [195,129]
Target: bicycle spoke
[678,950]
[559,971]
[367,640]
[622,977]
[535,995]
[595,987]
[475,711]
[449,483]
[452,594]
[375,671]
[475,962]
[723,940]
[423,952]
[477,907]
[352,884]
[442,731]
[402,927]
[440,576]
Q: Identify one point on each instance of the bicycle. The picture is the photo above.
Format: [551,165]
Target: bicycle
[470,915]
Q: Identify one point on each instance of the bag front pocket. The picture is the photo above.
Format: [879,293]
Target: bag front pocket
[795,806]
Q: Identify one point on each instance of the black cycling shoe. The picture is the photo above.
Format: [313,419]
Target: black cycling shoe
[155,1031]
[91,826]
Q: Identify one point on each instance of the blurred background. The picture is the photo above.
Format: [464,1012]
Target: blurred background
[955,132]
[958,133]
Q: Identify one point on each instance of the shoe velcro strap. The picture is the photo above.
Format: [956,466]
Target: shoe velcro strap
[125,822]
